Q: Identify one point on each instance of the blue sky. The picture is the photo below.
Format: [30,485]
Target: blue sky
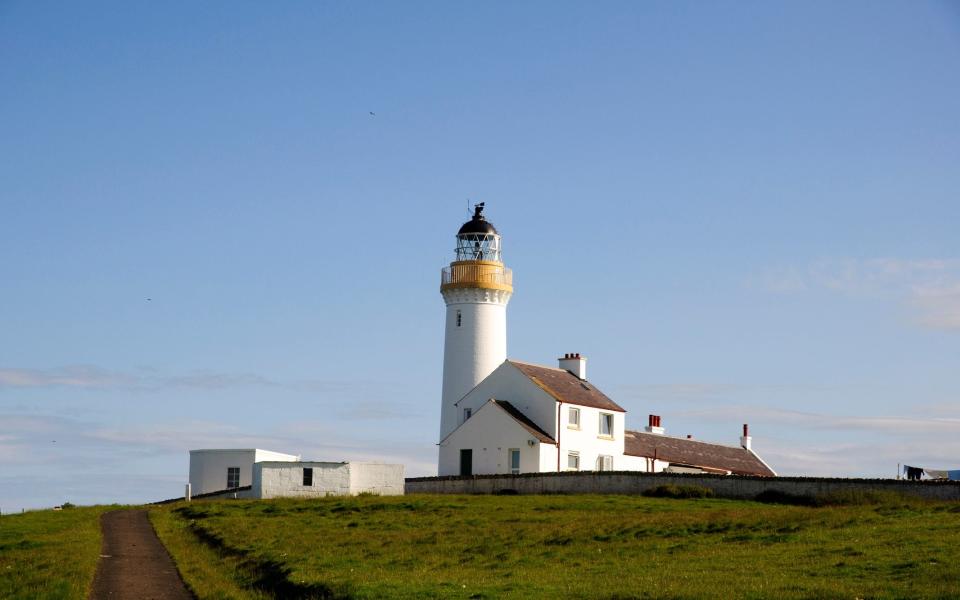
[741,212]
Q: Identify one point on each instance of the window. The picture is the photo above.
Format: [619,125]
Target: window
[573,421]
[573,461]
[233,477]
[467,413]
[308,476]
[515,461]
[604,463]
[459,319]
[606,424]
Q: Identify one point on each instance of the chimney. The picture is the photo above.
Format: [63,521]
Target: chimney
[576,364]
[745,438]
[653,425]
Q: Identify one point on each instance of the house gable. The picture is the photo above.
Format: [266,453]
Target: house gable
[508,383]
[490,433]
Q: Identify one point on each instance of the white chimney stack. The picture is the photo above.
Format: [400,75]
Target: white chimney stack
[575,363]
[653,425]
[745,439]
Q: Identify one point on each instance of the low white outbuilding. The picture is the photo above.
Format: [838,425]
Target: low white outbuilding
[256,473]
[215,470]
[311,479]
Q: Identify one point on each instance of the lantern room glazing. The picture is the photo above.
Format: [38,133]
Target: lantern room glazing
[478,239]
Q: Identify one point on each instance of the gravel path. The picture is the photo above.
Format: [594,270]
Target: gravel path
[133,563]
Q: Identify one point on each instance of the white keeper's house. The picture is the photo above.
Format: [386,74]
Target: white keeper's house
[508,416]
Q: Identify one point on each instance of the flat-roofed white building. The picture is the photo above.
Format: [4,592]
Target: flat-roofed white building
[215,470]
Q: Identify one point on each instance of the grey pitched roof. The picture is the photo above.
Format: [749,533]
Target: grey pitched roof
[564,386]
[525,422]
[694,453]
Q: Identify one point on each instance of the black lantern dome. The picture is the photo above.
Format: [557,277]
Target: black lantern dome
[478,224]
[478,239]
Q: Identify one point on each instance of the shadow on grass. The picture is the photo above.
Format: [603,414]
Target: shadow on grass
[679,491]
[881,499]
[270,576]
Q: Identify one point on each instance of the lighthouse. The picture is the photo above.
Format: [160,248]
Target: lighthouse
[476,288]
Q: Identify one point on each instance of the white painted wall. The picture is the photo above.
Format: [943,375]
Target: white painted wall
[640,463]
[208,468]
[508,383]
[548,459]
[472,350]
[262,455]
[285,479]
[491,433]
[587,440]
[376,478]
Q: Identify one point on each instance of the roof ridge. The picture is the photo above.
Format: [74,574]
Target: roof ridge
[563,386]
[682,439]
[530,364]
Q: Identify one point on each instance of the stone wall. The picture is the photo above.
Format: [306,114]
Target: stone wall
[285,479]
[628,482]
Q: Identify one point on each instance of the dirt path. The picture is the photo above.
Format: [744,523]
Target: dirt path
[133,563]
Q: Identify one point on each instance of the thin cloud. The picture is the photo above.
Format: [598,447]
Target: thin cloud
[372,410]
[871,458]
[938,307]
[49,440]
[929,288]
[77,376]
[96,378]
[892,424]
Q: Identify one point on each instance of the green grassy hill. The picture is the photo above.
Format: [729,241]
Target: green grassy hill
[563,547]
[49,554]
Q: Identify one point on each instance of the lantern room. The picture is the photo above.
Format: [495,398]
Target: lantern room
[478,239]
[479,263]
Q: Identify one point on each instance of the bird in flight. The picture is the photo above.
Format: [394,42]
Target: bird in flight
[373,114]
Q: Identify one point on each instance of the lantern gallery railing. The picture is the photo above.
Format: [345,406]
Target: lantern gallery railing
[482,274]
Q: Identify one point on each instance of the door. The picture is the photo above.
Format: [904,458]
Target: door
[515,461]
[466,461]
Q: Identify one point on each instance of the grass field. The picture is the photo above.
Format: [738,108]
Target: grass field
[48,554]
[563,547]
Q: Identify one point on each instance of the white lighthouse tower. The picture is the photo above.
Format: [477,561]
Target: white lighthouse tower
[476,288]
